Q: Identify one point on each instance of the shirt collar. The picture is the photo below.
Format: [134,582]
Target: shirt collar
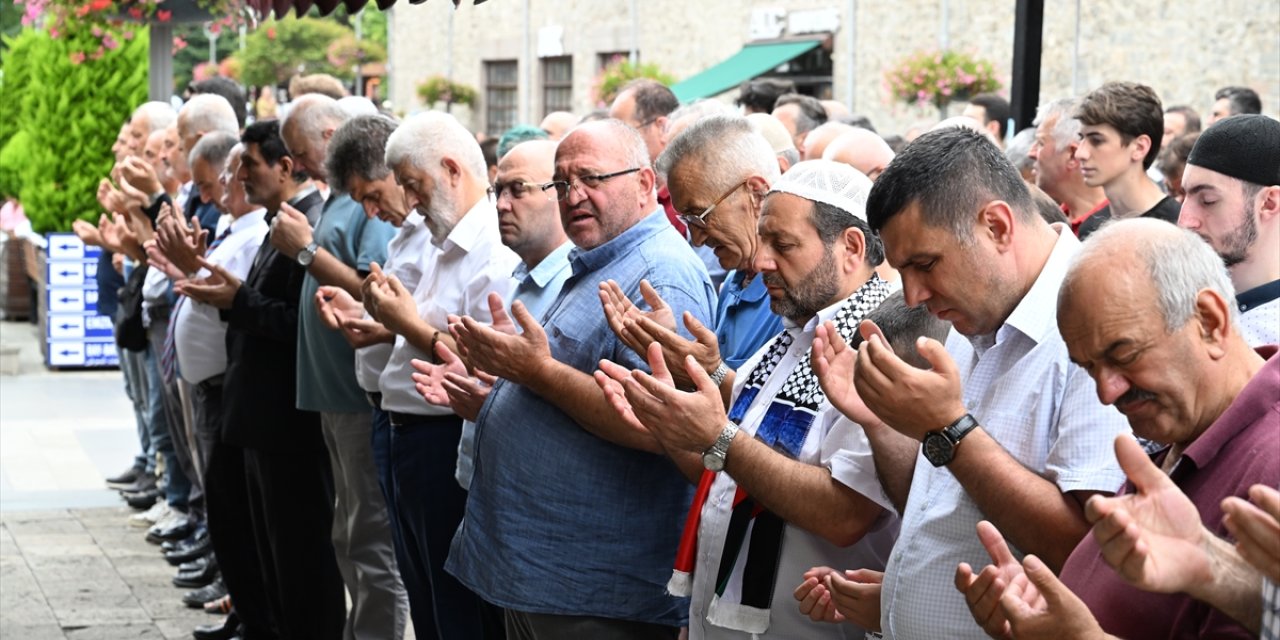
[468,231]
[248,220]
[546,270]
[1253,402]
[584,260]
[413,220]
[1036,315]
[1258,295]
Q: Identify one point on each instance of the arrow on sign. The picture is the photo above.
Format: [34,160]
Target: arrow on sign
[68,352]
[66,300]
[66,273]
[68,326]
[65,247]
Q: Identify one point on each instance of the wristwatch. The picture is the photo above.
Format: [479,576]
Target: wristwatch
[307,254]
[718,375]
[940,446]
[714,457]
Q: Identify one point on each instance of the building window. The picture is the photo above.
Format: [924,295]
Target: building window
[557,84]
[603,60]
[500,99]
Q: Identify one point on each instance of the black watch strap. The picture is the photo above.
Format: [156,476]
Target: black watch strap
[960,428]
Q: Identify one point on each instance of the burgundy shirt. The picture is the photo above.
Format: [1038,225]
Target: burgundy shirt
[1240,449]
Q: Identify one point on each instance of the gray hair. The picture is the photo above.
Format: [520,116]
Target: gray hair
[791,156]
[311,113]
[1019,147]
[697,110]
[208,112]
[902,325]
[727,148]
[1179,263]
[214,148]
[1066,129]
[358,150]
[160,115]
[428,137]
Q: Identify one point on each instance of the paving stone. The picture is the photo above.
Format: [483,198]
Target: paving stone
[26,529]
[57,544]
[144,569]
[115,632]
[30,632]
[24,608]
[98,609]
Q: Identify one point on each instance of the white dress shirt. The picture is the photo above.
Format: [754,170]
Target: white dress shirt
[408,253]
[199,337]
[471,262]
[1026,394]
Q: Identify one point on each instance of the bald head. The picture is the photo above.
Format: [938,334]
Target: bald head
[205,113]
[861,149]
[558,123]
[528,218]
[815,144]
[594,215]
[307,127]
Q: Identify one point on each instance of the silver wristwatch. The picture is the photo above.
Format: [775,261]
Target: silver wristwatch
[308,254]
[714,457]
[718,375]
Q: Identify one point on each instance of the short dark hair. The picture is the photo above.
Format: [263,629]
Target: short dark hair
[266,134]
[831,221]
[1047,207]
[997,109]
[949,173]
[1190,115]
[490,150]
[1173,159]
[357,150]
[653,99]
[811,112]
[227,88]
[857,120]
[1132,109]
[903,325]
[761,94]
[1242,99]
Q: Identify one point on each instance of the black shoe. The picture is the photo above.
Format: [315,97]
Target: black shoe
[141,501]
[187,550]
[127,478]
[173,531]
[229,629]
[198,578]
[197,599]
[144,482]
[197,564]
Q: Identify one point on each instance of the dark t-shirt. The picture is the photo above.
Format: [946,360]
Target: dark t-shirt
[1167,209]
[109,281]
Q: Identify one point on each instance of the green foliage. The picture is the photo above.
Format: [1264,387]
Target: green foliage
[281,49]
[13,158]
[618,74]
[70,108]
[197,50]
[940,77]
[441,89]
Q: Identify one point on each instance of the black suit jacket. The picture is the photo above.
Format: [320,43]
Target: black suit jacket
[259,400]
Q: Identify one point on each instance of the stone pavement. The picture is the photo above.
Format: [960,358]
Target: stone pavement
[71,567]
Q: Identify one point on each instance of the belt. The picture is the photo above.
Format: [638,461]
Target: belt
[406,419]
[375,399]
[212,382]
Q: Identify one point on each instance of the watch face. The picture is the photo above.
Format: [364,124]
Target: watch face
[712,462]
[305,257]
[938,450]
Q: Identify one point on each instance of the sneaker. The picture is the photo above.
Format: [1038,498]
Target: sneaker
[175,526]
[147,518]
[126,479]
[144,482]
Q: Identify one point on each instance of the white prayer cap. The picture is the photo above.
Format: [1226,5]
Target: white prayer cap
[828,182]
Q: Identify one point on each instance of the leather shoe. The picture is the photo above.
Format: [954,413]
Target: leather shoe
[141,500]
[197,578]
[197,599]
[197,564]
[188,551]
[143,482]
[177,529]
[126,478]
[227,630]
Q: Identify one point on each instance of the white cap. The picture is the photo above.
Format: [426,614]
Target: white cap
[829,182]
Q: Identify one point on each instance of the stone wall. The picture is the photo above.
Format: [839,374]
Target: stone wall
[1185,50]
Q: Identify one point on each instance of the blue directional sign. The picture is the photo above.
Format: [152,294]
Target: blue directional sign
[76,336]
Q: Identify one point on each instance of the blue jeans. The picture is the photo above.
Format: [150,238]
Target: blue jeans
[178,486]
[429,505]
[133,365]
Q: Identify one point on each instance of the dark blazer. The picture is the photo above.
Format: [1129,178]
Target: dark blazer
[259,392]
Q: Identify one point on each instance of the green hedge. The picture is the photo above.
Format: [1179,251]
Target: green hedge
[70,111]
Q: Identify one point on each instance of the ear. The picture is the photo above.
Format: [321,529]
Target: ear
[855,249]
[286,166]
[1267,205]
[1141,145]
[661,123]
[996,221]
[452,170]
[648,179]
[757,187]
[1072,163]
[1213,314]
[327,133]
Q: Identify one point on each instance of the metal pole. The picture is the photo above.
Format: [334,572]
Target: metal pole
[944,29]
[448,59]
[160,61]
[1075,56]
[526,102]
[1028,32]
[359,37]
[850,75]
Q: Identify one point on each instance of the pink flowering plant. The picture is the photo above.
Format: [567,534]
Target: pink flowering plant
[939,77]
[97,26]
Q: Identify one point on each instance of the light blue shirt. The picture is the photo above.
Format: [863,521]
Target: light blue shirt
[559,521]
[744,321]
[326,362]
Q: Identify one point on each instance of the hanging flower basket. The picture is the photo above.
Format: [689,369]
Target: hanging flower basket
[441,89]
[113,21]
[940,77]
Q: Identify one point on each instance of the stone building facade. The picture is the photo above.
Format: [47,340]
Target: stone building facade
[525,57]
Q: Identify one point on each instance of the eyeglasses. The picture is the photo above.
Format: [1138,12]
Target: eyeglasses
[562,187]
[517,189]
[700,221]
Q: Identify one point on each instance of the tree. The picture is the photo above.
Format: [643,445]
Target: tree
[281,49]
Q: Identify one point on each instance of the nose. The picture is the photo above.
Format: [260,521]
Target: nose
[913,291]
[576,194]
[1082,152]
[1111,385]
[697,236]
[1187,218]
[763,261]
[410,200]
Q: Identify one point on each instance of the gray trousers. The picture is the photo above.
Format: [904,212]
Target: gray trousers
[362,531]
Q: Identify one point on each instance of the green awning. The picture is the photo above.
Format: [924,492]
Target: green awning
[751,61]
